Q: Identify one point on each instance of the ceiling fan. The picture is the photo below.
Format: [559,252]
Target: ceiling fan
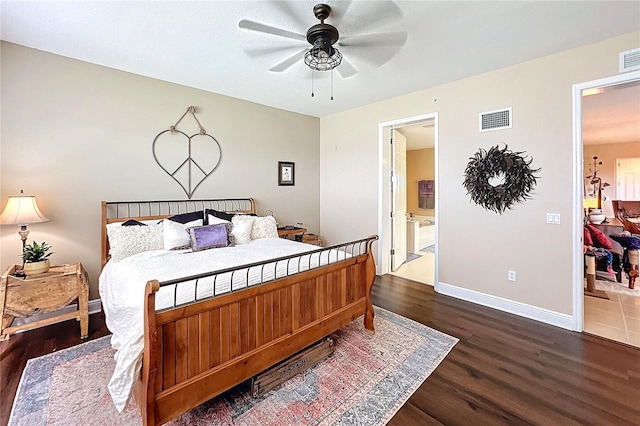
[370,38]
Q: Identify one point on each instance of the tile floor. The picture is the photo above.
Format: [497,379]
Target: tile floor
[420,270]
[617,318]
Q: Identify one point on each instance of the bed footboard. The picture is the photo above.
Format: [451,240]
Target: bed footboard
[197,351]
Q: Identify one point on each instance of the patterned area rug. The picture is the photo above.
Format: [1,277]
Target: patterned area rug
[411,256]
[429,249]
[365,382]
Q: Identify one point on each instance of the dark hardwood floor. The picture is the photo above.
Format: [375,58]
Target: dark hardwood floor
[504,370]
[510,370]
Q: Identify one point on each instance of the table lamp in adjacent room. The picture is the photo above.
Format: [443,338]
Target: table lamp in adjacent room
[22,210]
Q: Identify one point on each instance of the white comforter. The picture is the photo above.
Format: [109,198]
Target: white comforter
[122,286]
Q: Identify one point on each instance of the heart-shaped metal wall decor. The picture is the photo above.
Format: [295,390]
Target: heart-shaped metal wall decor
[189,160]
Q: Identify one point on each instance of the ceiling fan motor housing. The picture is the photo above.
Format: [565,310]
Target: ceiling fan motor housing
[322,36]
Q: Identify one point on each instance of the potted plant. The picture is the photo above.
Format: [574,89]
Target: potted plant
[35,257]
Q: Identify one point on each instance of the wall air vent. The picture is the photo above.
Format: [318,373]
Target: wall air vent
[495,120]
[630,60]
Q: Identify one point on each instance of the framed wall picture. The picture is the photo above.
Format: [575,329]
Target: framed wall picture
[286,173]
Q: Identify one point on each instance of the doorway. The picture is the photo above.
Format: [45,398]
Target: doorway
[420,133]
[597,152]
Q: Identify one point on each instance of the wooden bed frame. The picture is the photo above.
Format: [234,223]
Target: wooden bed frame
[195,352]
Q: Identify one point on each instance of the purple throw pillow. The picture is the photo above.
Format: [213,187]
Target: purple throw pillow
[210,236]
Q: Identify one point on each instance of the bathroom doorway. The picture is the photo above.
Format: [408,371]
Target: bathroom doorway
[418,212]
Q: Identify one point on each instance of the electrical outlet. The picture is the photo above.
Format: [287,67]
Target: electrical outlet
[512,275]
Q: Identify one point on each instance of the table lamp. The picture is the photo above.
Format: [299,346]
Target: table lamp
[22,210]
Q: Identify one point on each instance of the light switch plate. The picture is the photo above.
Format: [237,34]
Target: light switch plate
[553,218]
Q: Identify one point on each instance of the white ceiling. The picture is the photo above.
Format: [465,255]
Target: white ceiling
[199,43]
[419,136]
[612,116]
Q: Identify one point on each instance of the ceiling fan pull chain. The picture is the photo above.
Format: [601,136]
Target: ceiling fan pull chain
[312,90]
[332,84]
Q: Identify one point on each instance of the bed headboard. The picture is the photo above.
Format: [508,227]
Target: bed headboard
[121,211]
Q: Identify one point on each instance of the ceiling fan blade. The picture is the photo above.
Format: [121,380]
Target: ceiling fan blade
[268,29]
[290,61]
[264,51]
[346,69]
[294,13]
[338,12]
[361,17]
[390,39]
[374,49]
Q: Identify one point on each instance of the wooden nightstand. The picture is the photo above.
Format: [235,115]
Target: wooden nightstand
[40,294]
[285,231]
[311,239]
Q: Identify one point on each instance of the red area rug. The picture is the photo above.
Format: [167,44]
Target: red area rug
[365,382]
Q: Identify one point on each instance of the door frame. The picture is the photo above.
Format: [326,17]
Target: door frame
[578,173]
[384,188]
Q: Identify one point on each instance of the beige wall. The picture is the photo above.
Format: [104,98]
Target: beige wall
[420,166]
[74,134]
[476,247]
[608,153]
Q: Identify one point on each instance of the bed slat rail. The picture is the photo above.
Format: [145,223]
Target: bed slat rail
[266,271]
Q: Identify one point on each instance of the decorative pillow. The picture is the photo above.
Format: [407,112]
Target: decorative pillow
[221,215]
[599,238]
[264,227]
[176,235]
[125,241]
[210,236]
[188,217]
[132,222]
[241,230]
[588,241]
[214,220]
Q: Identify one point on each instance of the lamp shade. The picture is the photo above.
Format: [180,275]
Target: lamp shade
[22,210]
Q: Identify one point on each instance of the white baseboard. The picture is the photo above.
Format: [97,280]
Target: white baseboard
[95,306]
[517,308]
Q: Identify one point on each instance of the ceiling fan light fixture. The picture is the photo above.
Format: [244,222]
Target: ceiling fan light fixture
[322,56]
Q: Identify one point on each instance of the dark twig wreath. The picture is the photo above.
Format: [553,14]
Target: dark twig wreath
[496,163]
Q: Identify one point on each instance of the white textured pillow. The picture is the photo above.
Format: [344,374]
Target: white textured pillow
[125,241]
[176,235]
[241,230]
[264,227]
[214,220]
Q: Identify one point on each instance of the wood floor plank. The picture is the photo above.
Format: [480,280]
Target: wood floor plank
[505,370]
